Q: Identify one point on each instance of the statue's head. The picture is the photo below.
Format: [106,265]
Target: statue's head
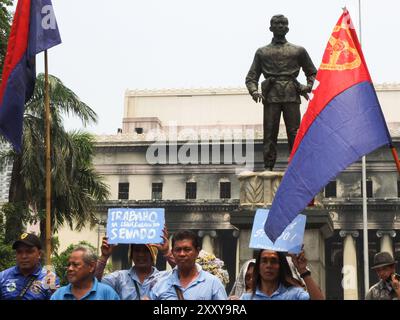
[279,25]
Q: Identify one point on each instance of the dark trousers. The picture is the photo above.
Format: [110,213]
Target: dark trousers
[272,117]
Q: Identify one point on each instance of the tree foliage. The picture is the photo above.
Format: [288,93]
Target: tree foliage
[76,186]
[7,256]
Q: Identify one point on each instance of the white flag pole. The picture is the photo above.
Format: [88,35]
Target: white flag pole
[364,196]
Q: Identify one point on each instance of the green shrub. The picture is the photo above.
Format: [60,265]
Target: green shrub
[7,255]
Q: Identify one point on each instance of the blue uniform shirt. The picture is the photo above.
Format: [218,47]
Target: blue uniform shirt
[123,282]
[99,291]
[12,282]
[205,287]
[282,293]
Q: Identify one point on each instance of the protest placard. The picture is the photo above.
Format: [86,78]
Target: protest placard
[290,240]
[127,225]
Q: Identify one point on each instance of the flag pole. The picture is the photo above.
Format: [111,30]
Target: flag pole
[395,157]
[48,160]
[364,195]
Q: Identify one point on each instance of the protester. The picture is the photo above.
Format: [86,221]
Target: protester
[136,282]
[83,285]
[273,280]
[27,280]
[244,281]
[388,287]
[187,281]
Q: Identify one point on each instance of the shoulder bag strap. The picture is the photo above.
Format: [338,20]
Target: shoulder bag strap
[179,292]
[28,284]
[137,290]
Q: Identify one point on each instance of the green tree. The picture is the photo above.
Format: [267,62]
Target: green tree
[5,23]
[7,256]
[76,186]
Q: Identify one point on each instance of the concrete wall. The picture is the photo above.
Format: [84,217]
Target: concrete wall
[66,237]
[221,106]
[174,185]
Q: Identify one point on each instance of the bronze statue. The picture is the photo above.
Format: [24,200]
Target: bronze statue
[280,63]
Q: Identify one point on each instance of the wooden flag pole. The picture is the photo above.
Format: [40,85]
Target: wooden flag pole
[48,160]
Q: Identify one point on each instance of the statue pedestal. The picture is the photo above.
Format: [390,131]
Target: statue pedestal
[257,189]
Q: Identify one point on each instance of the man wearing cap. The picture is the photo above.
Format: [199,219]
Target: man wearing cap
[27,280]
[136,282]
[388,287]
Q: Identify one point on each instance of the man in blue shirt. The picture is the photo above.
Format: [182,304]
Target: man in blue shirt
[136,282]
[27,280]
[187,281]
[82,283]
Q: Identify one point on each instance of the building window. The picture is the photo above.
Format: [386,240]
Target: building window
[369,189]
[156,191]
[225,190]
[123,191]
[191,190]
[139,130]
[330,189]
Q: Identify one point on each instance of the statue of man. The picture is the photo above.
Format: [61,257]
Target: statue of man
[280,63]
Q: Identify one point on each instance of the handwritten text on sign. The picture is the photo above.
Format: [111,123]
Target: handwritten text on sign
[126,225]
[290,240]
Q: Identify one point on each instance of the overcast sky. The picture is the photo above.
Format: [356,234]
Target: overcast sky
[110,46]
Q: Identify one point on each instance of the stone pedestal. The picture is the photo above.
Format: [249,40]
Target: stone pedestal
[257,189]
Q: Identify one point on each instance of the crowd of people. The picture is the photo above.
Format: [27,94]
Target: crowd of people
[271,276]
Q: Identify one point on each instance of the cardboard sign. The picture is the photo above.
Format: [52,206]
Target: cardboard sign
[290,240]
[127,225]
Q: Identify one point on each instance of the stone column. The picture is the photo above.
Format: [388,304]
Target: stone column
[386,240]
[314,247]
[208,240]
[236,234]
[168,267]
[350,280]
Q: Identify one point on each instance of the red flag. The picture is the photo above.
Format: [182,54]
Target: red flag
[343,122]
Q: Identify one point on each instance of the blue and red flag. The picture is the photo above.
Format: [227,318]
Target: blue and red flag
[343,122]
[34,29]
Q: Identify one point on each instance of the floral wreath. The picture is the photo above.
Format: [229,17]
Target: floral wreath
[213,265]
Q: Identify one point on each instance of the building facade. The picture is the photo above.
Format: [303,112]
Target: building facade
[184,150]
[5,177]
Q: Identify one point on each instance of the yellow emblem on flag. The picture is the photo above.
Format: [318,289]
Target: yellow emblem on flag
[342,53]
[23,236]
